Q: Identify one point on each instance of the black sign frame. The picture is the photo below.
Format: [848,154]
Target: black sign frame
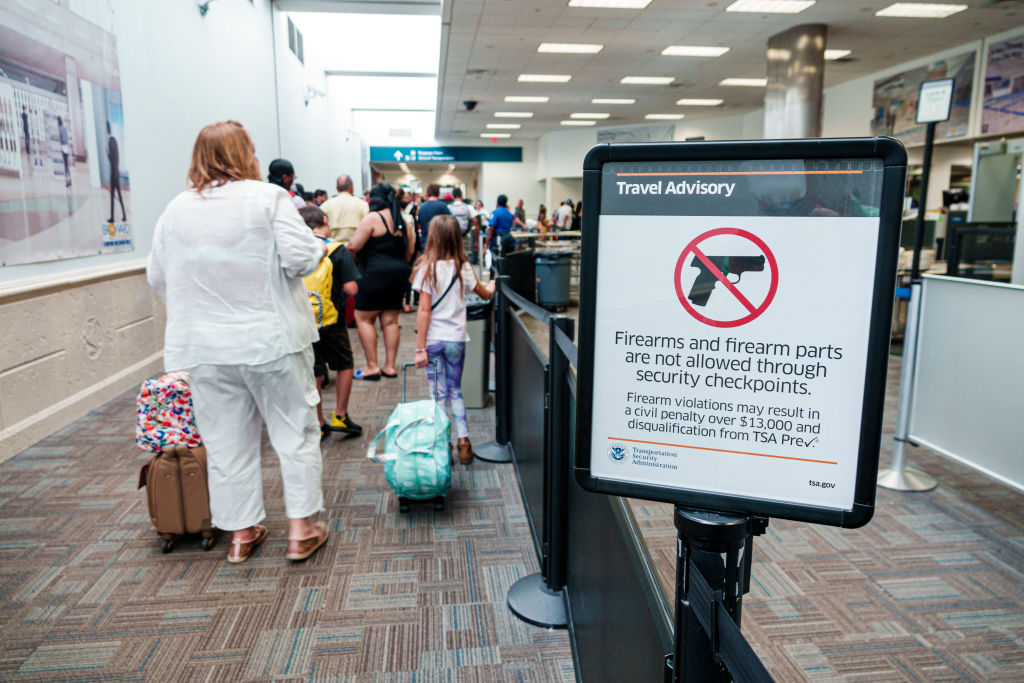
[894,157]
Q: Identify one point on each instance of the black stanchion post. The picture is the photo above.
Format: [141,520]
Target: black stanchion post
[497,450]
[537,599]
[718,547]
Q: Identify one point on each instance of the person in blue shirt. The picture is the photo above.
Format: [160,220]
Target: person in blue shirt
[499,239]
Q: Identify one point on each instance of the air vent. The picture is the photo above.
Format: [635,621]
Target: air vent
[479,72]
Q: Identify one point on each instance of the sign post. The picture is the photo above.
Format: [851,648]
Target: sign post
[933,106]
[735,310]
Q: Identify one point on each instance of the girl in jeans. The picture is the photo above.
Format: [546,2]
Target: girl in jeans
[443,277]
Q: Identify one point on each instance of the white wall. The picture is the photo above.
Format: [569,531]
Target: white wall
[748,126]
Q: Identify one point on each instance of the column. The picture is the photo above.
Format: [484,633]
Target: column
[796,72]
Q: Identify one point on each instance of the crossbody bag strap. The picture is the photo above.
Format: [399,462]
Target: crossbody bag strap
[450,285]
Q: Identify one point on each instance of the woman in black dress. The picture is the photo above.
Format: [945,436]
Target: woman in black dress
[383,250]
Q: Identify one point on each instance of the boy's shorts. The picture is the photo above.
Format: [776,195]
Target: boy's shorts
[332,351]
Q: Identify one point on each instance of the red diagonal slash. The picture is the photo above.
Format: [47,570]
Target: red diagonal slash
[723,279]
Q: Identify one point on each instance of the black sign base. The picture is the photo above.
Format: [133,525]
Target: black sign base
[533,602]
[492,451]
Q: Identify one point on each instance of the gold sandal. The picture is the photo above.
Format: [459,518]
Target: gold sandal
[240,550]
[308,545]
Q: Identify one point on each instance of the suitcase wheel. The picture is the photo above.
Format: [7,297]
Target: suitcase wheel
[439,504]
[167,546]
[403,504]
[208,543]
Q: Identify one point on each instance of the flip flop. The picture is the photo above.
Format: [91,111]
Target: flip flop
[308,545]
[240,550]
[358,374]
[394,376]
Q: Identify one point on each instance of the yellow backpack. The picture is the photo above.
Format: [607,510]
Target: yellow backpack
[318,287]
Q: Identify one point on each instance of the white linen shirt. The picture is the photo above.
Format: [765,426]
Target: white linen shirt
[229,264]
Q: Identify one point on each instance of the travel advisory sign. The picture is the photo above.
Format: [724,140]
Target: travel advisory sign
[730,322]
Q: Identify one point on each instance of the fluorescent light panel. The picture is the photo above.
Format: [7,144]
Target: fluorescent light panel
[647,80]
[495,135]
[544,78]
[694,51]
[570,48]
[664,117]
[920,10]
[699,102]
[586,115]
[610,4]
[836,54]
[507,126]
[513,114]
[525,98]
[606,100]
[770,6]
[751,82]
[577,122]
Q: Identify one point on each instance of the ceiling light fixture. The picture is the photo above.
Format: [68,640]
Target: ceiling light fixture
[525,98]
[647,80]
[770,6]
[570,48]
[577,122]
[832,55]
[920,10]
[586,115]
[605,100]
[610,4]
[699,102]
[751,82]
[544,78]
[664,117]
[513,114]
[694,51]
[495,135]
[506,126]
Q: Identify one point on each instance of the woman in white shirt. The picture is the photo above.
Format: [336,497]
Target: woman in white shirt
[228,257]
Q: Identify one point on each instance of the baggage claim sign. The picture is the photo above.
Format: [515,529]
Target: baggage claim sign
[734,323]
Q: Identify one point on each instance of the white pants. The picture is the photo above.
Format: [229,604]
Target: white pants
[229,403]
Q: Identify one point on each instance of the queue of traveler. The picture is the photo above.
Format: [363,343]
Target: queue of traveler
[257,278]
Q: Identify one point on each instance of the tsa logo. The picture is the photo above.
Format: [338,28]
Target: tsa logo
[617,452]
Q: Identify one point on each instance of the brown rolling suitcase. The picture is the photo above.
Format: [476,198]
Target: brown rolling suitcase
[179,500]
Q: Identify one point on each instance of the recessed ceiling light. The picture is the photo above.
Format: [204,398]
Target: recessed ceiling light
[694,51]
[836,54]
[770,6]
[586,115]
[525,98]
[605,100]
[647,80]
[752,82]
[665,117]
[544,78]
[570,48]
[611,4]
[699,102]
[509,126]
[920,10]
[577,122]
[495,135]
[513,114]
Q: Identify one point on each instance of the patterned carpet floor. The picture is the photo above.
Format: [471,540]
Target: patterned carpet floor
[86,594]
[932,589]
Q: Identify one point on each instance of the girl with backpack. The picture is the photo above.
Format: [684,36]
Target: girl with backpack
[443,277]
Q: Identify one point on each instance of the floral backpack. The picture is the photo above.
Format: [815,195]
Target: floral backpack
[163,415]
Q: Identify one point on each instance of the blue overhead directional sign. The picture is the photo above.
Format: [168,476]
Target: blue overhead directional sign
[457,153]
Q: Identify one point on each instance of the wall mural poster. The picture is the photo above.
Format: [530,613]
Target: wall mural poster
[658,132]
[1003,102]
[895,100]
[64,181]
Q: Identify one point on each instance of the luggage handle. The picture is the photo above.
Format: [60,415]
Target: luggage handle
[371,451]
[437,373]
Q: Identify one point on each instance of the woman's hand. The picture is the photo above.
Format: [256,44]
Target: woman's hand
[421,359]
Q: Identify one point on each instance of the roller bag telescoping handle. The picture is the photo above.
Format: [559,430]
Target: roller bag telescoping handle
[438,367]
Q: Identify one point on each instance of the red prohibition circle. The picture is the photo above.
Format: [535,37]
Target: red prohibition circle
[689,249]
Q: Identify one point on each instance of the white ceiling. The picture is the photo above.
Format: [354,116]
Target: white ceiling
[486,44]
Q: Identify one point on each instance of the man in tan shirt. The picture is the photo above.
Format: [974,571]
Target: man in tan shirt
[344,211]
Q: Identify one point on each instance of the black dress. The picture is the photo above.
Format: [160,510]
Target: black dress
[385,272]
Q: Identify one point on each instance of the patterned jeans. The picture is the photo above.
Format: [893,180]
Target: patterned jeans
[451,356]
